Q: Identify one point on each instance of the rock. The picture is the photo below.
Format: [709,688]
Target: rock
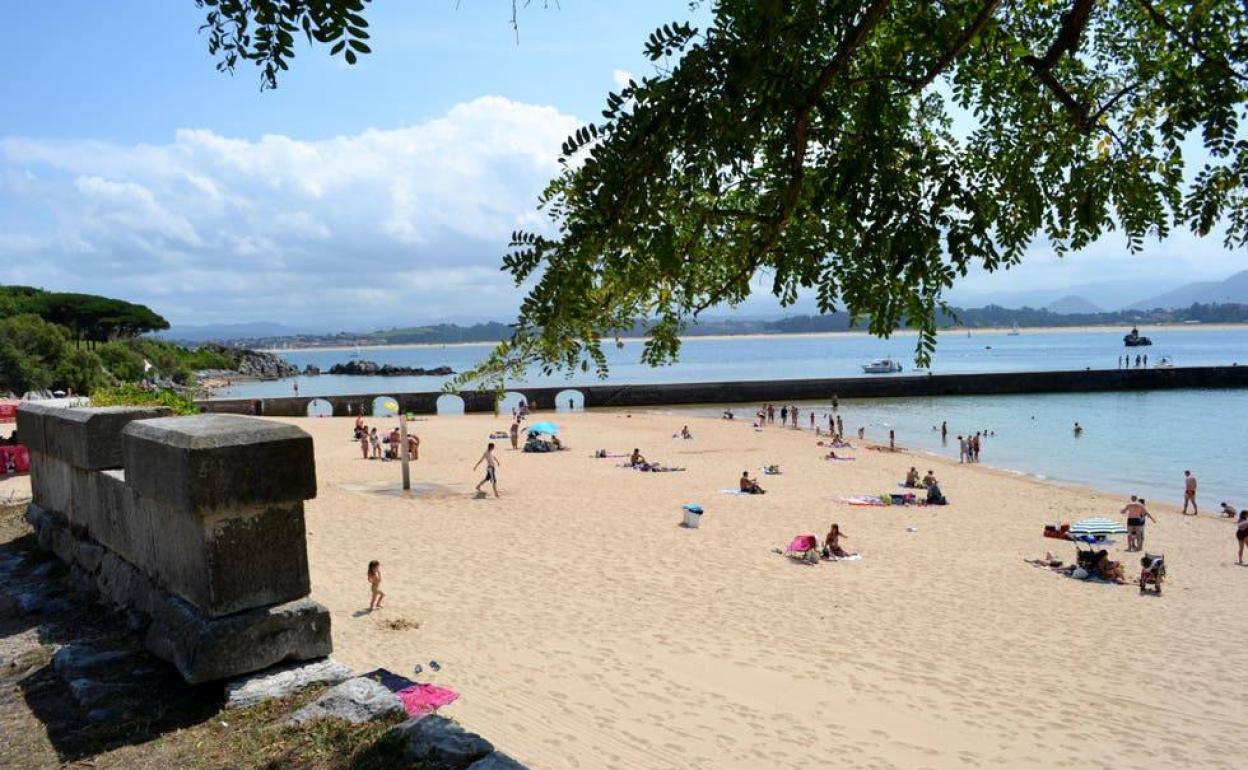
[373,369]
[311,370]
[90,693]
[9,608]
[254,363]
[355,700]
[436,741]
[88,555]
[282,682]
[205,649]
[496,761]
[79,661]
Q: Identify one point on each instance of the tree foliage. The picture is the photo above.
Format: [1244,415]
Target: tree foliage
[37,355]
[873,153]
[869,151]
[263,31]
[88,316]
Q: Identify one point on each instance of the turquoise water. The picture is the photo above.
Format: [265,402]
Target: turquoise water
[752,358]
[1133,443]
[1138,442]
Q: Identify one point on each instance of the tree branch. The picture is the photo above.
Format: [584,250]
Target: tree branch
[1067,41]
[970,33]
[1191,45]
[800,139]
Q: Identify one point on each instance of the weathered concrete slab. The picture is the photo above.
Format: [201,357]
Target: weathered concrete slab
[283,681]
[356,701]
[89,438]
[205,649]
[216,462]
[30,424]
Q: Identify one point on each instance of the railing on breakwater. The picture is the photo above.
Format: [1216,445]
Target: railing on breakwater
[760,391]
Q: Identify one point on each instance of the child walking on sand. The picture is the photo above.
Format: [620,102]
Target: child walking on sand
[491,475]
[374,582]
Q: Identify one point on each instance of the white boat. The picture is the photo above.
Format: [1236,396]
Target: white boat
[882,366]
[1014,332]
[1166,362]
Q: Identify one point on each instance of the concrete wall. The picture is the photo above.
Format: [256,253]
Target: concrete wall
[196,523]
[759,391]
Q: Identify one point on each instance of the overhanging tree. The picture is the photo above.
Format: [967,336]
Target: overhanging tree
[873,152]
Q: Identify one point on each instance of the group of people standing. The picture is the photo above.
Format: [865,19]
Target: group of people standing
[1141,362]
[371,441]
[969,446]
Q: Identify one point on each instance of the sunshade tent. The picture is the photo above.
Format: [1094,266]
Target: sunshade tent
[548,428]
[1098,526]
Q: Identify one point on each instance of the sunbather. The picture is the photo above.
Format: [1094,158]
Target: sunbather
[912,478]
[636,458]
[685,434]
[1108,569]
[749,486]
[832,544]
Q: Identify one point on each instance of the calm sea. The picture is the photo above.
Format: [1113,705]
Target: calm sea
[1132,442]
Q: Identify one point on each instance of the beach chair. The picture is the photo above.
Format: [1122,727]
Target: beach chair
[804,548]
[1153,572]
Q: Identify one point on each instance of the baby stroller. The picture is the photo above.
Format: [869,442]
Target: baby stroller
[1153,572]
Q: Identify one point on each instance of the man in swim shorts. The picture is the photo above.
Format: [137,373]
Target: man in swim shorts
[1189,493]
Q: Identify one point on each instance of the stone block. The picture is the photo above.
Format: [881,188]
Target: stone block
[221,562]
[30,424]
[51,482]
[88,555]
[89,438]
[356,701]
[127,588]
[215,462]
[434,741]
[283,681]
[205,649]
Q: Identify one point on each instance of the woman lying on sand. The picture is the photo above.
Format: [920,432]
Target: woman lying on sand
[832,544]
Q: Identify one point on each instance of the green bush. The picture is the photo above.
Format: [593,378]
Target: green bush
[121,361]
[128,394]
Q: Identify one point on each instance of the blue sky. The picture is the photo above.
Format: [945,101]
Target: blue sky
[379,194]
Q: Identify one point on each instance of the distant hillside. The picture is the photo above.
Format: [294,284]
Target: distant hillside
[1233,289]
[234,331]
[1072,305]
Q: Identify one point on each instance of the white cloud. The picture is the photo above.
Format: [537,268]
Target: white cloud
[621,78]
[387,226]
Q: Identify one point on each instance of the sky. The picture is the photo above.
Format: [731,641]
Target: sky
[351,197]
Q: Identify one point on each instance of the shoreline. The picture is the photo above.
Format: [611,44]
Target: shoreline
[992,330]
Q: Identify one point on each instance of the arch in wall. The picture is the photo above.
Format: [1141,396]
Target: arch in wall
[319,407]
[570,401]
[449,403]
[510,400]
[382,406]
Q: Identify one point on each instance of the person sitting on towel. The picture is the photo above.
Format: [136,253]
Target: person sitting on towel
[685,434]
[832,544]
[636,458]
[912,478]
[934,495]
[749,486]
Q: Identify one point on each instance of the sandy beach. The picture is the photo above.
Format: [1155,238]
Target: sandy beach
[585,629]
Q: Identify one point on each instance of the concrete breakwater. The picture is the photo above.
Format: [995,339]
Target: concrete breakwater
[760,391]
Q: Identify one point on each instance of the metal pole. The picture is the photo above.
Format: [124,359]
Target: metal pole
[407,477]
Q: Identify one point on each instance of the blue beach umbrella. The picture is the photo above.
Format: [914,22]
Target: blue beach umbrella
[548,428]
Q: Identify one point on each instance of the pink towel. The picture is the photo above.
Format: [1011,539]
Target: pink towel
[803,543]
[420,699]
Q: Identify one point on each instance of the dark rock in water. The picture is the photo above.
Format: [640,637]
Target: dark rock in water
[311,370]
[374,369]
[254,363]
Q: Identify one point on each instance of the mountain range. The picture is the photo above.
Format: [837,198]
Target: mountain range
[1232,289]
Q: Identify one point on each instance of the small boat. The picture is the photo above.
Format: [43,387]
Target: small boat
[1166,362]
[1134,340]
[882,366]
[1014,331]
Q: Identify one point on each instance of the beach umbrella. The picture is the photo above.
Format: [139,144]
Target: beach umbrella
[390,405]
[1098,526]
[544,427]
